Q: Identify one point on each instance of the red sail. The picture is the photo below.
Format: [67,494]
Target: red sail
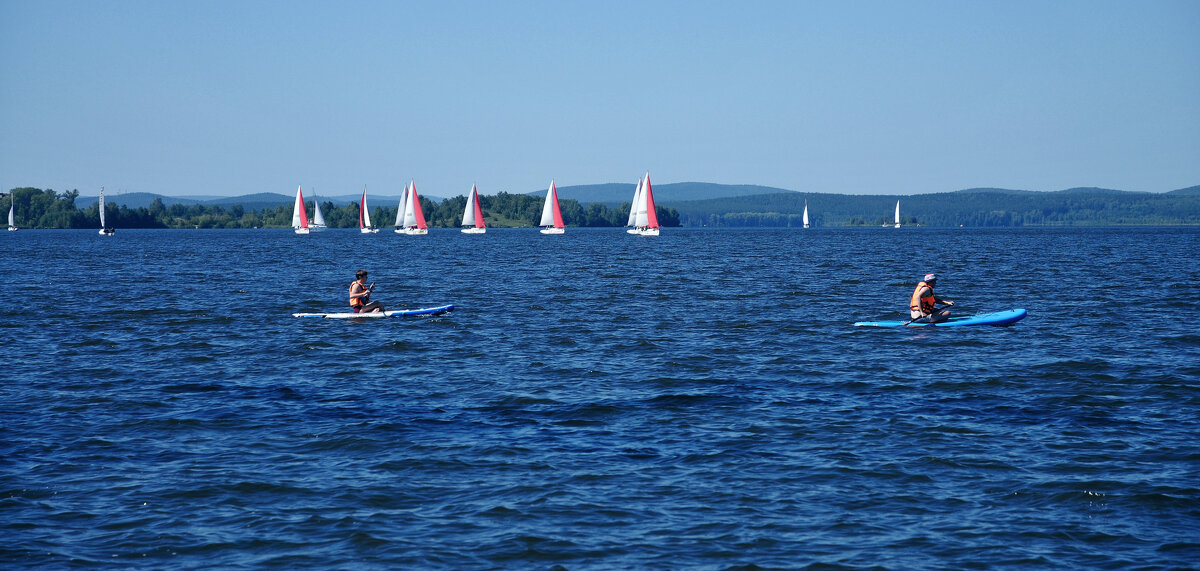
[478,210]
[300,207]
[651,215]
[558,221]
[417,209]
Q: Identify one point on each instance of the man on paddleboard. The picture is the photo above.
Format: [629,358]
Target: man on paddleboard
[921,305]
[360,294]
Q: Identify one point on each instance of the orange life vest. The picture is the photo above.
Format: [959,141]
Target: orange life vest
[923,304]
[356,301]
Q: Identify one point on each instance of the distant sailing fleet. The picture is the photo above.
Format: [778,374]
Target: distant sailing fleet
[410,220]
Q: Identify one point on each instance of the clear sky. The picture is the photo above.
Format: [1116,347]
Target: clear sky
[235,97]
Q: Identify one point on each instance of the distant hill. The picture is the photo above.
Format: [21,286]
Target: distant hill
[975,207]
[709,204]
[610,194]
[617,193]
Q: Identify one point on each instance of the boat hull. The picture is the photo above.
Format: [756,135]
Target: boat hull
[302,230]
[369,230]
[648,232]
[474,230]
[554,230]
[998,318]
[380,314]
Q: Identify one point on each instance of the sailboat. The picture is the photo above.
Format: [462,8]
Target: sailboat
[473,214]
[299,216]
[364,215]
[806,214]
[318,221]
[897,214]
[414,217]
[647,219]
[104,229]
[633,208]
[12,220]
[551,215]
[400,212]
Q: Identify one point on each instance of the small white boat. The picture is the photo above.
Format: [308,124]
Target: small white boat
[299,216]
[104,229]
[364,215]
[318,220]
[897,214]
[806,214]
[646,218]
[473,214]
[12,220]
[414,217]
[552,221]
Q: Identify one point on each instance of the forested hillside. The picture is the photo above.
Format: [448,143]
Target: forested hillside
[36,208]
[981,207]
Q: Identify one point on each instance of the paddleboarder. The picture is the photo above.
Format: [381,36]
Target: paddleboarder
[360,294]
[921,306]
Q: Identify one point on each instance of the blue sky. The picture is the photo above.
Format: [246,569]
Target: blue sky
[227,98]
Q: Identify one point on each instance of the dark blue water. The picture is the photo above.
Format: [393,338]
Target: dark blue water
[599,400]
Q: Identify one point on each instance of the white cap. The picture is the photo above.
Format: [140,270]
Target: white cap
[930,277]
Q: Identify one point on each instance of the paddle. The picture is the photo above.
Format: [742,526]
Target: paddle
[935,310]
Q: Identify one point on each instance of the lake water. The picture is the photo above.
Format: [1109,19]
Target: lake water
[597,400]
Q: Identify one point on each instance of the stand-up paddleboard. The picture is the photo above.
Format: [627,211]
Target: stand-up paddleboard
[397,313]
[996,318]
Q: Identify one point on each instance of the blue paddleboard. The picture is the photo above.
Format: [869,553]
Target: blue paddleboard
[996,318]
[377,314]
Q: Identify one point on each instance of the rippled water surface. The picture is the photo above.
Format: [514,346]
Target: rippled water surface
[598,400]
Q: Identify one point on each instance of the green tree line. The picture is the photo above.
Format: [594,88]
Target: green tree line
[37,208]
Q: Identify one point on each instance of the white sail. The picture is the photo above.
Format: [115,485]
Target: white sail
[366,212]
[806,214]
[12,219]
[410,207]
[637,195]
[469,212]
[104,229]
[400,209]
[897,214]
[548,207]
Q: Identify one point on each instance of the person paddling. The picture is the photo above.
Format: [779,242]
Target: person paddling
[360,294]
[921,306]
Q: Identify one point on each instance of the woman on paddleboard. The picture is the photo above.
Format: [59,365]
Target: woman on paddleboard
[360,294]
[921,305]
